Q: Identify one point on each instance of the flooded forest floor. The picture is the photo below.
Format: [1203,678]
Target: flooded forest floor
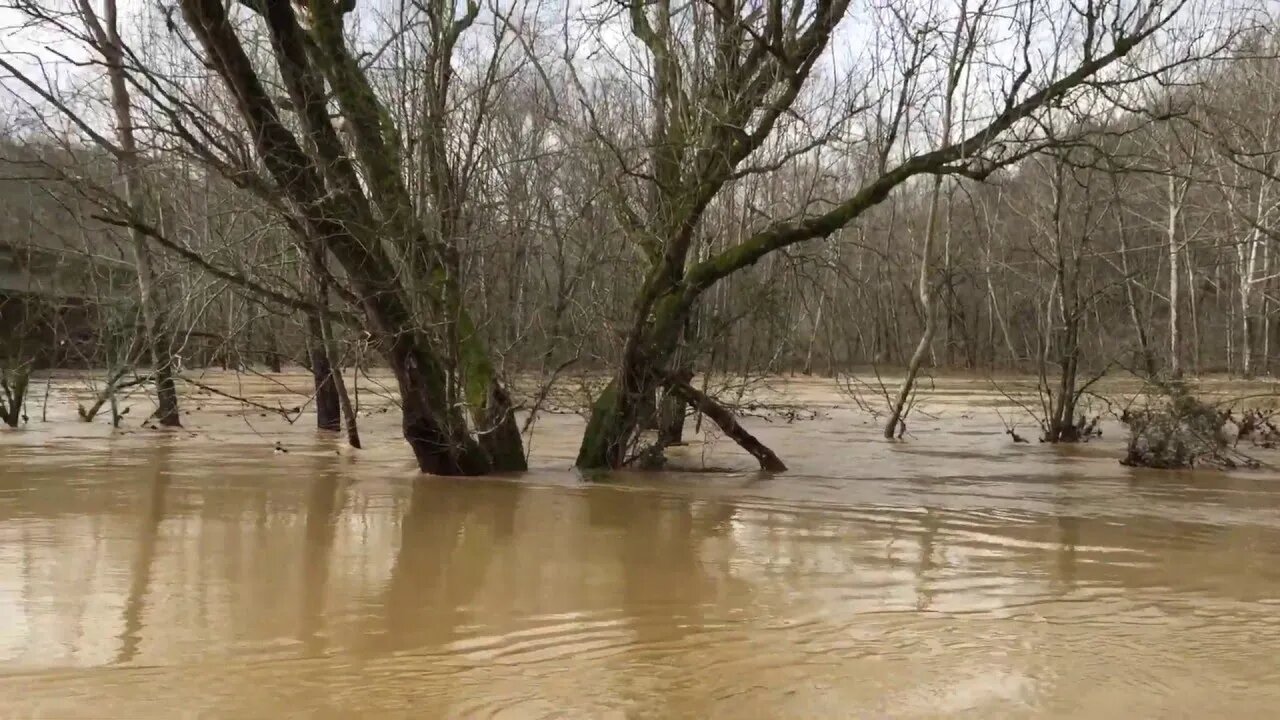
[819,426]
[202,572]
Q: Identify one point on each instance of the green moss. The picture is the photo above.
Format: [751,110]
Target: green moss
[604,431]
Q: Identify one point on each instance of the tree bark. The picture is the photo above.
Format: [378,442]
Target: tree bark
[671,410]
[339,384]
[328,415]
[671,418]
[1175,344]
[14,383]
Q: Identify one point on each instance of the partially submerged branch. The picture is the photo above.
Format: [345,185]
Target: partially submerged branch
[724,419]
[289,414]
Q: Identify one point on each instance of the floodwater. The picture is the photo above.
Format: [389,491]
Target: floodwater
[201,573]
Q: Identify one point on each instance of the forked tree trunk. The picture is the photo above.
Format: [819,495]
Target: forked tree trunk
[617,415]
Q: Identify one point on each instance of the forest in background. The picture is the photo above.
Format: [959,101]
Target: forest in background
[640,190]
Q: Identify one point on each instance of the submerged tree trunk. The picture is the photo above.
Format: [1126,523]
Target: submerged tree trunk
[617,415]
[14,383]
[332,403]
[166,388]
[271,355]
[1060,422]
[328,410]
[339,384]
[611,426]
[106,34]
[652,345]
[1062,425]
[439,449]
[928,310]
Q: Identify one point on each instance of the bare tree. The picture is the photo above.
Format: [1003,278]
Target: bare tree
[715,114]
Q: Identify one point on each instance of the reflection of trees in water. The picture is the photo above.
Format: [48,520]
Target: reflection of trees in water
[449,537]
[661,537]
[929,526]
[325,501]
[148,539]
[666,585]
[1065,568]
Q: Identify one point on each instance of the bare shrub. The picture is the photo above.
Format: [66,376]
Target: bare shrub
[1179,431]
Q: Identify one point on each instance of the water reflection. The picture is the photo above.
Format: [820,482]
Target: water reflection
[450,537]
[150,517]
[325,500]
[179,575]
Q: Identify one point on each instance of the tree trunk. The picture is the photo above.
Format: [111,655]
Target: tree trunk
[671,417]
[1246,336]
[108,38]
[1146,355]
[928,293]
[271,356]
[1194,316]
[813,334]
[1265,330]
[14,383]
[929,312]
[166,389]
[671,411]
[328,411]
[327,378]
[436,435]
[1062,422]
[611,427]
[1175,344]
[338,384]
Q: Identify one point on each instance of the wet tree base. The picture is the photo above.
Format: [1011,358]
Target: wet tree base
[1081,431]
[610,430]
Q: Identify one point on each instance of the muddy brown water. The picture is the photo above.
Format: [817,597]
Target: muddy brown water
[200,573]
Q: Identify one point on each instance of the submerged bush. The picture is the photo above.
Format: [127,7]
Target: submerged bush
[1177,431]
